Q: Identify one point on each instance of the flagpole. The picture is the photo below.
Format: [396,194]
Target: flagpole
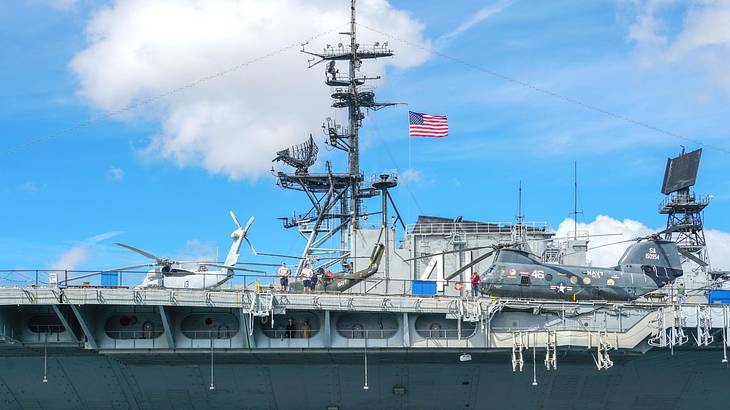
[410,168]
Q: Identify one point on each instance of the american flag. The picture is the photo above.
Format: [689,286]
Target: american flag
[425,125]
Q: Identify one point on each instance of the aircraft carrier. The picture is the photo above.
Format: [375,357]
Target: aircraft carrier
[397,327]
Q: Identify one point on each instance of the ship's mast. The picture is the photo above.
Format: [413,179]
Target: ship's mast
[335,197]
[353,111]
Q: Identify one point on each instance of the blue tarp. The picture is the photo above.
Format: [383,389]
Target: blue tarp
[110,279]
[423,288]
[718,296]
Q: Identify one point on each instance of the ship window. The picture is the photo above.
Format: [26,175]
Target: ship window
[148,330]
[45,324]
[434,330]
[358,331]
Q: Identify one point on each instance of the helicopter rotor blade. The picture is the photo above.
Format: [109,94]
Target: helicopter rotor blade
[676,228]
[579,237]
[128,268]
[237,263]
[250,245]
[233,268]
[122,269]
[248,225]
[448,252]
[692,257]
[470,264]
[278,255]
[235,220]
[139,251]
[615,243]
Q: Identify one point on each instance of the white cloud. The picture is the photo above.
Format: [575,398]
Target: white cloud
[474,19]
[410,176]
[718,248]
[78,254]
[718,242]
[103,236]
[28,187]
[602,225]
[232,124]
[703,38]
[197,250]
[72,258]
[116,174]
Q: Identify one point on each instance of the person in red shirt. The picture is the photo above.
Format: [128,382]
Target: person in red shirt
[475,279]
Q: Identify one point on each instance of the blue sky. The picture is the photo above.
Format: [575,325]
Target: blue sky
[131,178]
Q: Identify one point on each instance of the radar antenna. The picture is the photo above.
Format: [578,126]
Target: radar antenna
[300,156]
[684,208]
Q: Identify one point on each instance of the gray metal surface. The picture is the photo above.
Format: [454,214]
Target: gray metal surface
[299,380]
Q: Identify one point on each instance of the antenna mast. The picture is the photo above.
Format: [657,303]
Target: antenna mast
[354,117]
[519,229]
[335,197]
[520,213]
[575,200]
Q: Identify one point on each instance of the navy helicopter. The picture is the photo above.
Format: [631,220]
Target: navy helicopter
[168,273]
[647,265]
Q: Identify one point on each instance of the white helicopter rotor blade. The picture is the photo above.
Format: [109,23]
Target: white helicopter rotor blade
[122,269]
[235,220]
[234,268]
[250,245]
[127,268]
[248,225]
[139,251]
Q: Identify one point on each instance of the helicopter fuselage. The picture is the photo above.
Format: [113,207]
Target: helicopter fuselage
[179,278]
[644,268]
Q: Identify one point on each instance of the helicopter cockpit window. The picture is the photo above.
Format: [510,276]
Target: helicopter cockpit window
[514,257]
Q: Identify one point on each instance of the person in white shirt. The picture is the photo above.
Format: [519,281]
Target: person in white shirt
[307,274]
[283,273]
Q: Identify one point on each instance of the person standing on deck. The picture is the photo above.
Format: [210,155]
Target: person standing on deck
[307,274]
[475,279]
[283,273]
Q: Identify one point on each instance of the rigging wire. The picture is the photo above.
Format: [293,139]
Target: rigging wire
[151,100]
[395,164]
[550,93]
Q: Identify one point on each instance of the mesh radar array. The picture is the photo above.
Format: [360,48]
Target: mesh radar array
[684,208]
[336,198]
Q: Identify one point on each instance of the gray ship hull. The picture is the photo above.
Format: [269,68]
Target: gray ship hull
[431,379]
